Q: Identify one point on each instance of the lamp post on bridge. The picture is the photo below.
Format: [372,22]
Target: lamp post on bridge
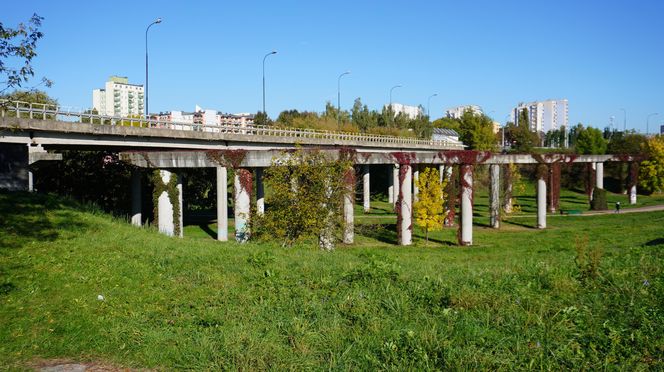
[269,54]
[147,110]
[648,122]
[428,102]
[339,98]
[391,89]
[624,120]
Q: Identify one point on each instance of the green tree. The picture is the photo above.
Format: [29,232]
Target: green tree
[362,118]
[37,97]
[590,141]
[429,212]
[476,131]
[447,123]
[522,139]
[305,198]
[18,46]
[651,177]
[261,118]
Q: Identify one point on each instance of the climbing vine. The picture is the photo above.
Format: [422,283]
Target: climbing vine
[227,158]
[171,189]
[453,194]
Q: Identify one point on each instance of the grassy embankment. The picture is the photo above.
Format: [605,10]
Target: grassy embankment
[585,293]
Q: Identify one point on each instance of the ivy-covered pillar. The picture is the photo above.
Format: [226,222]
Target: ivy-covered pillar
[494,196]
[466,196]
[416,176]
[366,188]
[349,199]
[260,191]
[169,202]
[633,180]
[553,189]
[395,182]
[441,172]
[222,204]
[243,184]
[542,172]
[452,195]
[599,175]
[136,212]
[404,206]
[508,188]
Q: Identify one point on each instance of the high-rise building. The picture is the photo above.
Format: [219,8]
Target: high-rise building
[457,112]
[544,116]
[411,111]
[118,98]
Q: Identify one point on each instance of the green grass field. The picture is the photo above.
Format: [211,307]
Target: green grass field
[584,294]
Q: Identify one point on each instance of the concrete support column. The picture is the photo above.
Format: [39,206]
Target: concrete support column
[165,207]
[366,188]
[632,195]
[242,186]
[260,192]
[494,196]
[633,180]
[222,204]
[466,194]
[416,176]
[136,212]
[509,188]
[349,198]
[599,175]
[541,203]
[441,172]
[395,184]
[31,181]
[405,205]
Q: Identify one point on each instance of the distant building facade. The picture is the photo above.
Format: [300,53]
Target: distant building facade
[444,134]
[411,111]
[119,98]
[207,119]
[544,116]
[457,112]
[661,129]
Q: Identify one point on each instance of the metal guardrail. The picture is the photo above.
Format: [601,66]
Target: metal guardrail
[75,115]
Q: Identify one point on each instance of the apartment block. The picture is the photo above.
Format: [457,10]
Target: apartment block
[119,98]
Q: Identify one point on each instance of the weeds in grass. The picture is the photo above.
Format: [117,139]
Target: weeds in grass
[587,260]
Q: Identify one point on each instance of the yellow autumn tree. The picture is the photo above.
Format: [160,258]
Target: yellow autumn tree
[651,178]
[429,211]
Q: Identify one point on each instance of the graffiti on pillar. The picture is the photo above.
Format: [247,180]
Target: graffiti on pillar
[171,190]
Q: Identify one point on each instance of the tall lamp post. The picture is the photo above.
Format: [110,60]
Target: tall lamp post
[339,98]
[269,54]
[624,120]
[391,89]
[147,110]
[648,122]
[429,101]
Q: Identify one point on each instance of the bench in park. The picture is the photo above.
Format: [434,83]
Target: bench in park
[571,211]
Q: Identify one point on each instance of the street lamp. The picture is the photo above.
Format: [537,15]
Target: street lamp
[624,120]
[147,111]
[339,98]
[269,54]
[391,89]
[429,101]
[648,122]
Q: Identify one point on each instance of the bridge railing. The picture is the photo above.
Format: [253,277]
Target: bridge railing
[45,111]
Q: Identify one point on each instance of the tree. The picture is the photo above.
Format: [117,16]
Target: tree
[651,178]
[305,198]
[429,212]
[448,123]
[18,45]
[33,96]
[590,141]
[476,131]
[521,138]
[261,118]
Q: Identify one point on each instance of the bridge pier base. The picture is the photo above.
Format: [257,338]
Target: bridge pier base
[405,205]
[136,198]
[243,184]
[466,196]
[494,196]
[167,220]
[366,188]
[222,204]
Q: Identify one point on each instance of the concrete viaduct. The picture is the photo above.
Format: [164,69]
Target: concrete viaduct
[31,133]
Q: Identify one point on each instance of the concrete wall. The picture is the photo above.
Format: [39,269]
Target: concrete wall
[14,161]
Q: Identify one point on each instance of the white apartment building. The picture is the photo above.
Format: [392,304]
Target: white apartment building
[118,98]
[207,119]
[457,112]
[411,111]
[544,116]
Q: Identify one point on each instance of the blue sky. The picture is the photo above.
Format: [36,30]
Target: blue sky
[600,55]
